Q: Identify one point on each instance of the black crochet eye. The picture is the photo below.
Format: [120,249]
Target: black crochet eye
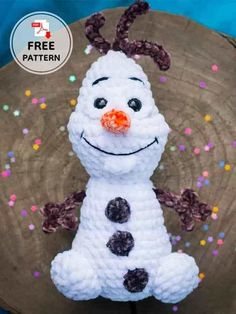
[100,103]
[135,104]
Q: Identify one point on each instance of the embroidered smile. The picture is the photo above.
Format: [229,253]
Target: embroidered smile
[119,154]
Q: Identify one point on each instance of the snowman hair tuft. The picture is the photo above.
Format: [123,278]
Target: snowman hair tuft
[121,43]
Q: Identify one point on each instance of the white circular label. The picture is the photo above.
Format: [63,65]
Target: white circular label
[41,42]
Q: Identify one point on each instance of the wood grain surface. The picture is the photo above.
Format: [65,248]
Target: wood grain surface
[51,173]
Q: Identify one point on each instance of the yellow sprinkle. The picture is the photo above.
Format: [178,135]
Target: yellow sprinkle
[27,92]
[203,242]
[227,167]
[73,102]
[215,209]
[36,147]
[43,106]
[208,118]
[201,275]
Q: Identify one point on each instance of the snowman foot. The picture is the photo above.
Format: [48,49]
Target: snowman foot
[176,277]
[74,276]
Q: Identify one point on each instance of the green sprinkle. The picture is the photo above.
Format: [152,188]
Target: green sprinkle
[16,113]
[5,107]
[72,78]
[173,148]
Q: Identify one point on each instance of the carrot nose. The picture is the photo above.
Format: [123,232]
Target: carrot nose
[116,121]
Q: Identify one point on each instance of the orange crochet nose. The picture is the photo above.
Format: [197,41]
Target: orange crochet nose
[116,121]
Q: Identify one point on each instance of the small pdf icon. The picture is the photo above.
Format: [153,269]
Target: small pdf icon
[41,28]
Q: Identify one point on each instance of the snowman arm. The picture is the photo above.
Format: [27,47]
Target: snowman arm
[63,214]
[187,205]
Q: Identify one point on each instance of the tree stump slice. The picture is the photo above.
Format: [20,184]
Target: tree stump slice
[51,173]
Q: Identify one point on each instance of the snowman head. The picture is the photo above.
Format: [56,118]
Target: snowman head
[116,129]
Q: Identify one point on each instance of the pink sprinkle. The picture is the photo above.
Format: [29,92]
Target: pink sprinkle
[214,216]
[13,197]
[23,213]
[25,131]
[36,274]
[136,57]
[163,79]
[175,308]
[5,174]
[202,84]
[11,203]
[197,151]
[38,141]
[206,148]
[180,251]
[31,227]
[34,101]
[214,68]
[215,252]
[220,242]
[205,174]
[34,208]
[188,131]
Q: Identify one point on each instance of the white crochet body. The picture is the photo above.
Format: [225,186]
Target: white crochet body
[120,165]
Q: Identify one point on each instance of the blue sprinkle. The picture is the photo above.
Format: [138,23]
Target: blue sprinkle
[10,154]
[187,244]
[221,163]
[221,235]
[207,182]
[205,227]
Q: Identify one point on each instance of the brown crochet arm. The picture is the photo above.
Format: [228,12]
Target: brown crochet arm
[141,47]
[187,205]
[62,215]
[92,26]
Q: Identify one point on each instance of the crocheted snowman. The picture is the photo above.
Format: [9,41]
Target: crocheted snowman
[122,249]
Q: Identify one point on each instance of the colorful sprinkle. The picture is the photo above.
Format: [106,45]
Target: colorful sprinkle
[227,167]
[173,148]
[23,213]
[88,49]
[220,242]
[31,227]
[197,151]
[73,102]
[188,131]
[13,197]
[210,239]
[201,276]
[215,209]
[205,173]
[202,84]
[214,68]
[35,147]
[205,227]
[43,106]
[72,78]
[28,92]
[36,274]
[34,101]
[214,216]
[5,107]
[187,244]
[208,118]
[215,252]
[221,235]
[16,113]
[34,208]
[182,147]
[174,308]
[221,164]
[234,144]
[38,141]
[202,242]
[25,131]
[163,79]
